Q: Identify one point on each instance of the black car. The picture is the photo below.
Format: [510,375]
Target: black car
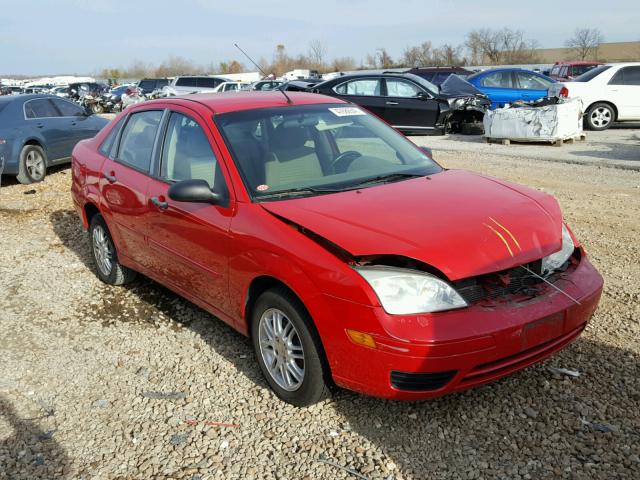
[410,103]
[437,75]
[148,85]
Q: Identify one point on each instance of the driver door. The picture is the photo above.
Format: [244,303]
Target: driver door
[189,242]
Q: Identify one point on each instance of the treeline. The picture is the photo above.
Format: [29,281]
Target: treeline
[481,47]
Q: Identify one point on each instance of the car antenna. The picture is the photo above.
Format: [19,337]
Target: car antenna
[279,88]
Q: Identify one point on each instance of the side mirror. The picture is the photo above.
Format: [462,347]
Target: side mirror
[423,96]
[193,191]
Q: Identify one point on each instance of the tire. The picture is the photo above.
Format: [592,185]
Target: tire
[303,341]
[97,108]
[32,167]
[102,249]
[600,116]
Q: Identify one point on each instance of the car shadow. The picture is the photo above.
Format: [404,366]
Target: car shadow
[7,180]
[534,424]
[28,451]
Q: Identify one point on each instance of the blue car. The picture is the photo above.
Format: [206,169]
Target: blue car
[37,131]
[507,85]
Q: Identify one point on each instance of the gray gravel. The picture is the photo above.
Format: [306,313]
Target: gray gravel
[98,382]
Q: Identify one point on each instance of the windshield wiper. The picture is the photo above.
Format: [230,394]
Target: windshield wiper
[297,191]
[388,177]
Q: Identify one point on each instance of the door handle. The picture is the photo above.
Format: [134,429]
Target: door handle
[161,205]
[392,103]
[111,178]
[73,123]
[39,125]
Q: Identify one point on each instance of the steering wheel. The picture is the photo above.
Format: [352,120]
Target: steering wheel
[342,161]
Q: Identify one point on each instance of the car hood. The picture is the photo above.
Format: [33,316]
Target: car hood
[461,223]
[455,86]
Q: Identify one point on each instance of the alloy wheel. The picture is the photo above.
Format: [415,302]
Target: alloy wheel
[103,250]
[601,117]
[281,349]
[35,165]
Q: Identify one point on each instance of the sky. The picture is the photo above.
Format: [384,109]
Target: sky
[84,36]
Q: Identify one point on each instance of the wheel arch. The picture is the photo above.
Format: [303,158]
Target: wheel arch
[90,210]
[37,142]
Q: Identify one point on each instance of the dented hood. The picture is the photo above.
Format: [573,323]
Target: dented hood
[461,223]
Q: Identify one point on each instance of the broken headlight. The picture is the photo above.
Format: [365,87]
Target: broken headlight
[403,291]
[554,261]
[457,103]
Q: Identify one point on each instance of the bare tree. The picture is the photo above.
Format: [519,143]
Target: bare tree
[380,59]
[317,54]
[448,55]
[418,56]
[500,46]
[585,42]
[343,64]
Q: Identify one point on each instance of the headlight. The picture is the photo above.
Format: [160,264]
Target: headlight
[457,103]
[554,261]
[404,291]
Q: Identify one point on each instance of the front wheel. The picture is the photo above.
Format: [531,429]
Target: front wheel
[288,348]
[600,116]
[105,256]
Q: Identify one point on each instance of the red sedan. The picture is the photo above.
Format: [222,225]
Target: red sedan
[343,250]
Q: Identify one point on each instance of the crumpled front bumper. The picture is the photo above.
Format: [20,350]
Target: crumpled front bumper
[460,348]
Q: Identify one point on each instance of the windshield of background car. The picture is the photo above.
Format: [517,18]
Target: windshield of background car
[317,149]
[585,77]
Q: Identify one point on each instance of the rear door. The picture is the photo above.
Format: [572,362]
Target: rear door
[189,242]
[124,183]
[624,91]
[408,106]
[42,115]
[531,86]
[500,88]
[81,126]
[366,92]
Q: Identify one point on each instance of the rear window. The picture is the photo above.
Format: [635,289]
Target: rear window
[40,108]
[578,70]
[591,74]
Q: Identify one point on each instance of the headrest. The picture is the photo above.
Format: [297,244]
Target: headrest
[288,137]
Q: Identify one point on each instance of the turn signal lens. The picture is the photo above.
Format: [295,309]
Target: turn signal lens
[360,338]
[564,92]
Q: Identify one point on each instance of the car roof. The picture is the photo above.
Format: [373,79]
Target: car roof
[623,64]
[232,101]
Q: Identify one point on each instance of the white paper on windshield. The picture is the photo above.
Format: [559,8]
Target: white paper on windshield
[346,111]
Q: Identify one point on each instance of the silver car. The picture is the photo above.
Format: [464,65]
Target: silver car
[187,84]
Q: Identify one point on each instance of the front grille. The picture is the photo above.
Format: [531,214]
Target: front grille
[416,382]
[515,283]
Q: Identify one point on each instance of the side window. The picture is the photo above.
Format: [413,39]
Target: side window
[529,81]
[555,70]
[368,87]
[401,88]
[138,137]
[497,80]
[626,76]
[187,153]
[564,71]
[208,82]
[68,109]
[40,108]
[108,144]
[186,82]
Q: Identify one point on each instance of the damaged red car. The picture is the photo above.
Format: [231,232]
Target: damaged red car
[344,251]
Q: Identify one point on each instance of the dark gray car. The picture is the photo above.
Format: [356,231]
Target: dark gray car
[38,131]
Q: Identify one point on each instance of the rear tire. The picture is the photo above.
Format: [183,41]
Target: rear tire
[105,256]
[600,116]
[290,355]
[32,167]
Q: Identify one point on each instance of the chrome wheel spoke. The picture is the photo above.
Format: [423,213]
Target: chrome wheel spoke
[281,349]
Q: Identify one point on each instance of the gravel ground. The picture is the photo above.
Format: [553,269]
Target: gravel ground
[98,382]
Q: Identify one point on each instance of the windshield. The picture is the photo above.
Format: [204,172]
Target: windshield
[585,77]
[433,89]
[311,149]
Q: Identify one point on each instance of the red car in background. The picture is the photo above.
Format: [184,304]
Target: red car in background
[343,250]
[566,71]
